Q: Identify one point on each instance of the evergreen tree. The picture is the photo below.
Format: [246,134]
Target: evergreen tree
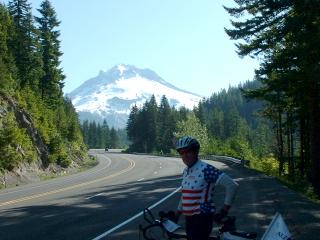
[7,66]
[216,123]
[114,139]
[52,82]
[132,128]
[106,141]
[92,135]
[25,45]
[15,145]
[181,114]
[73,128]
[97,136]
[285,35]
[166,126]
[85,131]
[150,112]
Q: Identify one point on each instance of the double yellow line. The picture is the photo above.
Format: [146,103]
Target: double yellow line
[131,166]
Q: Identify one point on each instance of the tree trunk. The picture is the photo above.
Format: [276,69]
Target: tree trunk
[280,142]
[315,140]
[292,165]
[302,165]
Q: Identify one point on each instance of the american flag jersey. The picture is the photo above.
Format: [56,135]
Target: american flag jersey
[197,188]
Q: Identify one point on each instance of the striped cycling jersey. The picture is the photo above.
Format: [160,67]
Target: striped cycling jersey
[197,188]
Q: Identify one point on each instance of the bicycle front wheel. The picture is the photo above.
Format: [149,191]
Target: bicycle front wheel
[155,232]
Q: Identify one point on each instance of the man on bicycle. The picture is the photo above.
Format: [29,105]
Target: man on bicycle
[198,183]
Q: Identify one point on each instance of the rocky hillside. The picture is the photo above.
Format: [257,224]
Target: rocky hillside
[25,156]
[39,128]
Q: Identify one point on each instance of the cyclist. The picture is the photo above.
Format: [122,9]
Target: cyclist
[198,183]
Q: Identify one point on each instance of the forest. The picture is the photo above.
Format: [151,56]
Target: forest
[272,121]
[38,125]
[283,138]
[225,124]
[99,136]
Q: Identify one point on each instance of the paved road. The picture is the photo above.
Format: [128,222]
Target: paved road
[85,205]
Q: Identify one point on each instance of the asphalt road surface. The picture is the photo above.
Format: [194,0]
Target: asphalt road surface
[102,200]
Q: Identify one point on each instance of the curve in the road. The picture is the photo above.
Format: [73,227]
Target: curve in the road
[65,179]
[131,166]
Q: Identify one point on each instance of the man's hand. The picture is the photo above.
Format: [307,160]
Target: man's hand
[222,213]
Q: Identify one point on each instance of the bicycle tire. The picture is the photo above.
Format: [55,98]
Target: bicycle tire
[155,232]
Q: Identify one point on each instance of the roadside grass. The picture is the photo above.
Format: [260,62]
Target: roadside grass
[302,187]
[88,163]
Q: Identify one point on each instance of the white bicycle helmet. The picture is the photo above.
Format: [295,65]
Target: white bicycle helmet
[187,142]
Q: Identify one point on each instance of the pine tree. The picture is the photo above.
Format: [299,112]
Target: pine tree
[166,126]
[7,66]
[150,112]
[114,139]
[132,128]
[85,131]
[105,134]
[52,82]
[92,135]
[73,128]
[285,35]
[25,45]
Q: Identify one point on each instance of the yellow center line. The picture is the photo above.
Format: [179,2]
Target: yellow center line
[132,164]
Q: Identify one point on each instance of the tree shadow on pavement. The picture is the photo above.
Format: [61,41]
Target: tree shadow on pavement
[85,217]
[260,197]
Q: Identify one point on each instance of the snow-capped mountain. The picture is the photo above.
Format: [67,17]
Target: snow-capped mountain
[111,94]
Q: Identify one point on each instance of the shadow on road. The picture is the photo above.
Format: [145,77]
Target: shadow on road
[255,209]
[85,217]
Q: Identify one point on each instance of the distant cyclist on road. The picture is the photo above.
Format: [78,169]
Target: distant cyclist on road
[198,183]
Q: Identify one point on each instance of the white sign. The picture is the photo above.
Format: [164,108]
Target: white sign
[277,230]
[170,226]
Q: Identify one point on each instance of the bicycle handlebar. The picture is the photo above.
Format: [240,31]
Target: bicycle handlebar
[147,212]
[227,224]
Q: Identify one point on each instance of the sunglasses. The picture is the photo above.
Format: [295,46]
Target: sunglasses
[183,151]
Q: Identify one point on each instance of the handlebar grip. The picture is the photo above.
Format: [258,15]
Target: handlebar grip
[147,211]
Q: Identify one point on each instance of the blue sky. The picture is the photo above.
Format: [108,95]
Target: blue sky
[183,41]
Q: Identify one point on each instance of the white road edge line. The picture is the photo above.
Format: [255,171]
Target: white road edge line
[135,216]
[140,179]
[94,195]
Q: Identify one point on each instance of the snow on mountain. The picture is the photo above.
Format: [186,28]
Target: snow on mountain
[111,94]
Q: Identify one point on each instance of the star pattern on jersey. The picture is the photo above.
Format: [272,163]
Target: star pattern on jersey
[211,174]
[207,207]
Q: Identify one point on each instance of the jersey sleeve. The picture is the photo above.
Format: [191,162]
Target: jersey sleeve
[231,188]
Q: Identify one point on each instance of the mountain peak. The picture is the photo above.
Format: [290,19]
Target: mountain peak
[128,71]
[114,92]
[121,68]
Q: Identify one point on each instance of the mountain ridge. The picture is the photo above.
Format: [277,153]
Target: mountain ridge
[111,94]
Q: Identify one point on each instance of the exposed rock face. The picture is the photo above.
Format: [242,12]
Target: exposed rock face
[24,120]
[26,172]
[29,170]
